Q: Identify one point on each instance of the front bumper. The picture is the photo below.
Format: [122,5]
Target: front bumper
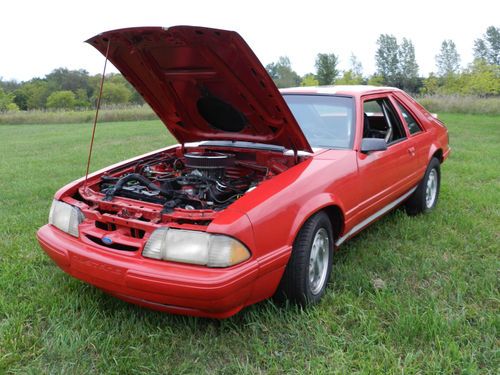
[165,286]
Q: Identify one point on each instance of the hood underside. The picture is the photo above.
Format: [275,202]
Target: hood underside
[204,84]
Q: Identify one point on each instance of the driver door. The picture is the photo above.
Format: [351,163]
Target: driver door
[386,175]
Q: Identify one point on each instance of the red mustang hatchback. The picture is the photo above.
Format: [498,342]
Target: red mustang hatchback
[261,189]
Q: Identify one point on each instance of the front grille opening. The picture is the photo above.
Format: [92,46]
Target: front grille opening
[137,233]
[116,246]
[105,226]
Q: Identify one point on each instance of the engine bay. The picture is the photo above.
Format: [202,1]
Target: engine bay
[199,180]
[180,181]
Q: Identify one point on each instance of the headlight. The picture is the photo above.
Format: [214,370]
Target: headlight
[65,217]
[186,246]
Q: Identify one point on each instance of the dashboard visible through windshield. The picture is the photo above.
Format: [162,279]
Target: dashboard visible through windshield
[327,121]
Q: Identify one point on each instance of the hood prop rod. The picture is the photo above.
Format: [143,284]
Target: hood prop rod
[98,105]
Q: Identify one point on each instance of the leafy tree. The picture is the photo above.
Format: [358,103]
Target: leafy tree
[309,80]
[348,78]
[448,59]
[63,79]
[12,107]
[453,84]
[481,79]
[82,99]
[326,68]
[408,67]
[387,59]
[95,81]
[7,101]
[396,64]
[282,73]
[488,47]
[376,80]
[356,66]
[430,85]
[353,76]
[480,50]
[135,97]
[61,100]
[116,78]
[114,93]
[21,99]
[9,86]
[32,94]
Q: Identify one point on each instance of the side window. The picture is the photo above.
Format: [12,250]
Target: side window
[380,121]
[413,125]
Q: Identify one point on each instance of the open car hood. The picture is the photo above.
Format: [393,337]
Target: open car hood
[204,84]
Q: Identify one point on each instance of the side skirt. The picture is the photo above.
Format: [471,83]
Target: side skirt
[374,217]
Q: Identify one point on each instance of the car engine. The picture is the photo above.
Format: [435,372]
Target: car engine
[195,181]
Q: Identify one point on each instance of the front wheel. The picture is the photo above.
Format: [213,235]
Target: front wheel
[308,270]
[425,198]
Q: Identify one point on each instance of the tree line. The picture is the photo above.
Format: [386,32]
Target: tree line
[66,89]
[395,66]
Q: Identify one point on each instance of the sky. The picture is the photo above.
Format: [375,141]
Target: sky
[39,36]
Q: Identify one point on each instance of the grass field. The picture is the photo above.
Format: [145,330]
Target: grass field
[408,296]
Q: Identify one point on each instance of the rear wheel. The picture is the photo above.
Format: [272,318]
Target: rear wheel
[425,198]
[308,270]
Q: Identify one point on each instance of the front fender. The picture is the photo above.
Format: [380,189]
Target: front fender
[280,206]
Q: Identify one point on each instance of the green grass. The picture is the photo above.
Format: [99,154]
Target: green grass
[408,296]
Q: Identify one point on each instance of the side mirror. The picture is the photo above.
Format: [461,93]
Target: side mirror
[373,144]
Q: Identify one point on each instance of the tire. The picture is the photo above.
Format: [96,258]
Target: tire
[425,198]
[308,270]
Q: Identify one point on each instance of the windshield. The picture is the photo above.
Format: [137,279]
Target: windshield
[327,121]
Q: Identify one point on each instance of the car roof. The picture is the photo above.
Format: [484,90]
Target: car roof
[352,90]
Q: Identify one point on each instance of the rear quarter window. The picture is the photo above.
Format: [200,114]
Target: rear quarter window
[413,125]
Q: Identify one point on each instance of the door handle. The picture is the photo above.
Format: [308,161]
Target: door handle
[411,151]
